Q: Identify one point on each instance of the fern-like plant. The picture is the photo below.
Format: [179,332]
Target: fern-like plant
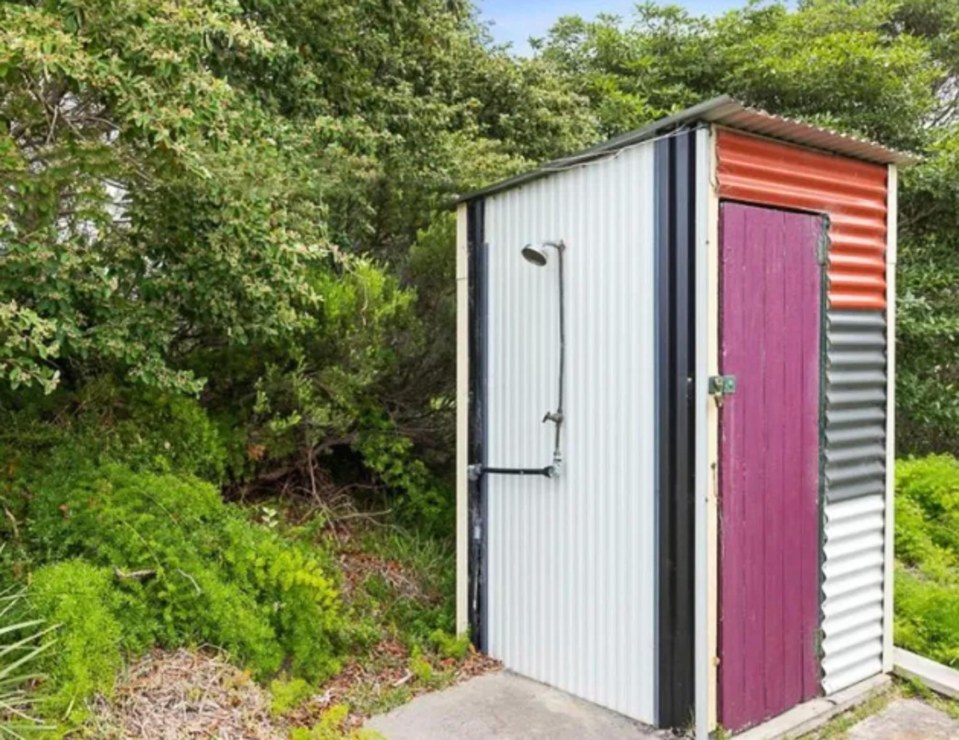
[21,642]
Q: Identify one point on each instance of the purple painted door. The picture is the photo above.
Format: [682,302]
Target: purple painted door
[769,462]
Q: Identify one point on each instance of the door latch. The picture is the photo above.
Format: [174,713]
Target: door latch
[721,386]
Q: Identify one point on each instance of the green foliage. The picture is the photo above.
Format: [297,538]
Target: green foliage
[195,568]
[144,429]
[331,727]
[26,341]
[927,548]
[288,694]
[426,503]
[928,319]
[836,62]
[164,432]
[422,669]
[450,646]
[413,614]
[80,598]
[225,202]
[23,643]
[135,181]
[927,617]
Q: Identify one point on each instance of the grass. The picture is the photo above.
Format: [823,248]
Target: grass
[914,688]
[838,726]
[909,688]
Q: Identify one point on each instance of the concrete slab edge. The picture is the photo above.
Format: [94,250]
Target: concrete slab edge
[814,714]
[940,678]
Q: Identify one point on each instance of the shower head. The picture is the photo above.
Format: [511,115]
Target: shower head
[535,255]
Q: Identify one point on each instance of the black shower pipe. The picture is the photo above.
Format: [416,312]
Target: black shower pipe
[552,470]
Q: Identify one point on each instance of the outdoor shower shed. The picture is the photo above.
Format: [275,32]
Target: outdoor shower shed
[675,428]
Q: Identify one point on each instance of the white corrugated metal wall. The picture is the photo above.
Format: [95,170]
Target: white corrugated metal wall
[572,570]
[855,463]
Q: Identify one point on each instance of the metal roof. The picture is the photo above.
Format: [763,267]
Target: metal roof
[724,111]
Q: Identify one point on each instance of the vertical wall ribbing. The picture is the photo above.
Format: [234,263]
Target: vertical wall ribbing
[572,561]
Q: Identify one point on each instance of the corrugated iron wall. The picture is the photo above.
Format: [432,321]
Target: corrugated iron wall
[757,170]
[572,566]
[855,452]
[853,194]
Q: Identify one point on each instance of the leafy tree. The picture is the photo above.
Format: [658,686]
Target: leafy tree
[837,62]
[146,206]
[884,69]
[222,197]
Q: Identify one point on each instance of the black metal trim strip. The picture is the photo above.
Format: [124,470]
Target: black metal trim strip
[675,232]
[477,444]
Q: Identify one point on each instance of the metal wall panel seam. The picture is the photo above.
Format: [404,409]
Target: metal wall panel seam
[892,236]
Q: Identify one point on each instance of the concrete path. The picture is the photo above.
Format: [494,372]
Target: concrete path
[504,705]
[906,719]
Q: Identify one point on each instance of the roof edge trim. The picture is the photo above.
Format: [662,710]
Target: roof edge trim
[726,111]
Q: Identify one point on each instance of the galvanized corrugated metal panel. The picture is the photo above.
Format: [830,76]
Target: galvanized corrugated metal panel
[572,561]
[854,466]
[725,111]
[788,129]
[853,194]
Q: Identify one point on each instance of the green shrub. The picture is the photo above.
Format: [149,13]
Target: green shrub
[332,727]
[288,695]
[303,604]
[143,429]
[421,668]
[450,646]
[424,503]
[932,484]
[201,572]
[927,549]
[164,432]
[927,616]
[80,599]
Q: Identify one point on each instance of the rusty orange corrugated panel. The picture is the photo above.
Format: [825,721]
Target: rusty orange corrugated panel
[851,192]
